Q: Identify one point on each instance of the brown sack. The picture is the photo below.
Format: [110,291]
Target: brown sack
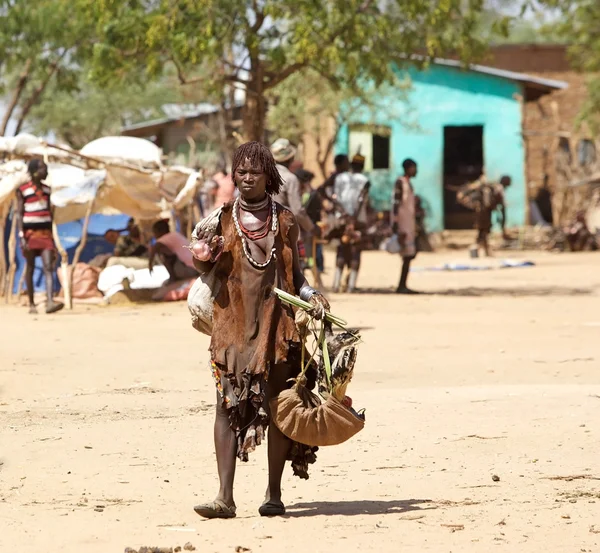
[300,415]
[85,282]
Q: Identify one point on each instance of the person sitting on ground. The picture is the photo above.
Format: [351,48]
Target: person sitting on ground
[173,252]
[130,244]
[128,250]
[578,235]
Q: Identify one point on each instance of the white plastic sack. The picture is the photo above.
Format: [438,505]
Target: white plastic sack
[201,302]
[391,245]
[201,298]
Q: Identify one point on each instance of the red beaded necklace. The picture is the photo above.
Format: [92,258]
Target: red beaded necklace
[260,232]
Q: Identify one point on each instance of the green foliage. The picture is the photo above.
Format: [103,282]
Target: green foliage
[257,44]
[577,25]
[41,41]
[517,22]
[99,111]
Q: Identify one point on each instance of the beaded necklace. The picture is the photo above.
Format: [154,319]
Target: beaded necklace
[242,235]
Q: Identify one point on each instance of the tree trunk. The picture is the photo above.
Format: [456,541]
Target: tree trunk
[14,101]
[255,106]
[323,156]
[35,96]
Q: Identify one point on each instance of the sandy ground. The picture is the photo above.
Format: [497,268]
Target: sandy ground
[106,424]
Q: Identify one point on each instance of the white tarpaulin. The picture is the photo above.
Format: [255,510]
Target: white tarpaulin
[72,188]
[20,144]
[72,191]
[117,188]
[137,151]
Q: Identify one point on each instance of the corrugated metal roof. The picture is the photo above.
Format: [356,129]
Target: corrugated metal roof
[537,82]
[201,109]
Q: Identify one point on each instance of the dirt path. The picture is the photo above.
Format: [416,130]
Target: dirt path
[106,425]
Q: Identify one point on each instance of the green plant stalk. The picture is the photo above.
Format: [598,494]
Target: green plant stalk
[297,302]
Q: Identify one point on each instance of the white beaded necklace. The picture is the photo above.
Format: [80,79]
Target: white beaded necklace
[236,208]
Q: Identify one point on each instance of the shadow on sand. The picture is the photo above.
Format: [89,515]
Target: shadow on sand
[354,508]
[533,291]
[476,292]
[379,292]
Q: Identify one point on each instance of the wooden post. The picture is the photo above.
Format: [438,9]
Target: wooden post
[64,264]
[315,270]
[196,214]
[20,284]
[80,248]
[190,223]
[12,254]
[2,255]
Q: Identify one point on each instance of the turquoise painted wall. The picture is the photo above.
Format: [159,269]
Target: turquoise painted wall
[442,96]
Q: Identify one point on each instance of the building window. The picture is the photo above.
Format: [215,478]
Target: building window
[373,142]
[381,152]
[564,150]
[586,153]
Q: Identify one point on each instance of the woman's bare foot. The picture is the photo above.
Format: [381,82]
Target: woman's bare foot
[32,310]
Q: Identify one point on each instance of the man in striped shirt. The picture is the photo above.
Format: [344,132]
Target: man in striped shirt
[34,222]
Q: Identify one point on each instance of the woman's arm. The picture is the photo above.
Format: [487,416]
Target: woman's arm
[306,292]
[299,278]
[206,247]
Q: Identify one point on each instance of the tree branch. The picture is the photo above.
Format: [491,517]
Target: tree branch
[342,29]
[260,18]
[35,96]
[185,80]
[275,79]
[22,82]
[234,66]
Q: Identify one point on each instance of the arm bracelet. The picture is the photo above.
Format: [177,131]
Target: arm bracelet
[307,292]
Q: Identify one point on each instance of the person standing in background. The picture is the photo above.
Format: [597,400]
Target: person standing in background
[308,194]
[342,165]
[351,191]
[34,223]
[484,198]
[404,221]
[221,188]
[290,195]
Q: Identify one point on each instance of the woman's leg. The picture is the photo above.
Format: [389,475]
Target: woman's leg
[278,444]
[226,448]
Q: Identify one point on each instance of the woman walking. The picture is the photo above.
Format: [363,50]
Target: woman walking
[255,346]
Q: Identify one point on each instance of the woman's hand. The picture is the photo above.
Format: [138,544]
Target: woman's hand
[201,250]
[320,305]
[208,246]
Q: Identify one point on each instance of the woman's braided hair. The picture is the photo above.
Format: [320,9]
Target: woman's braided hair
[259,156]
